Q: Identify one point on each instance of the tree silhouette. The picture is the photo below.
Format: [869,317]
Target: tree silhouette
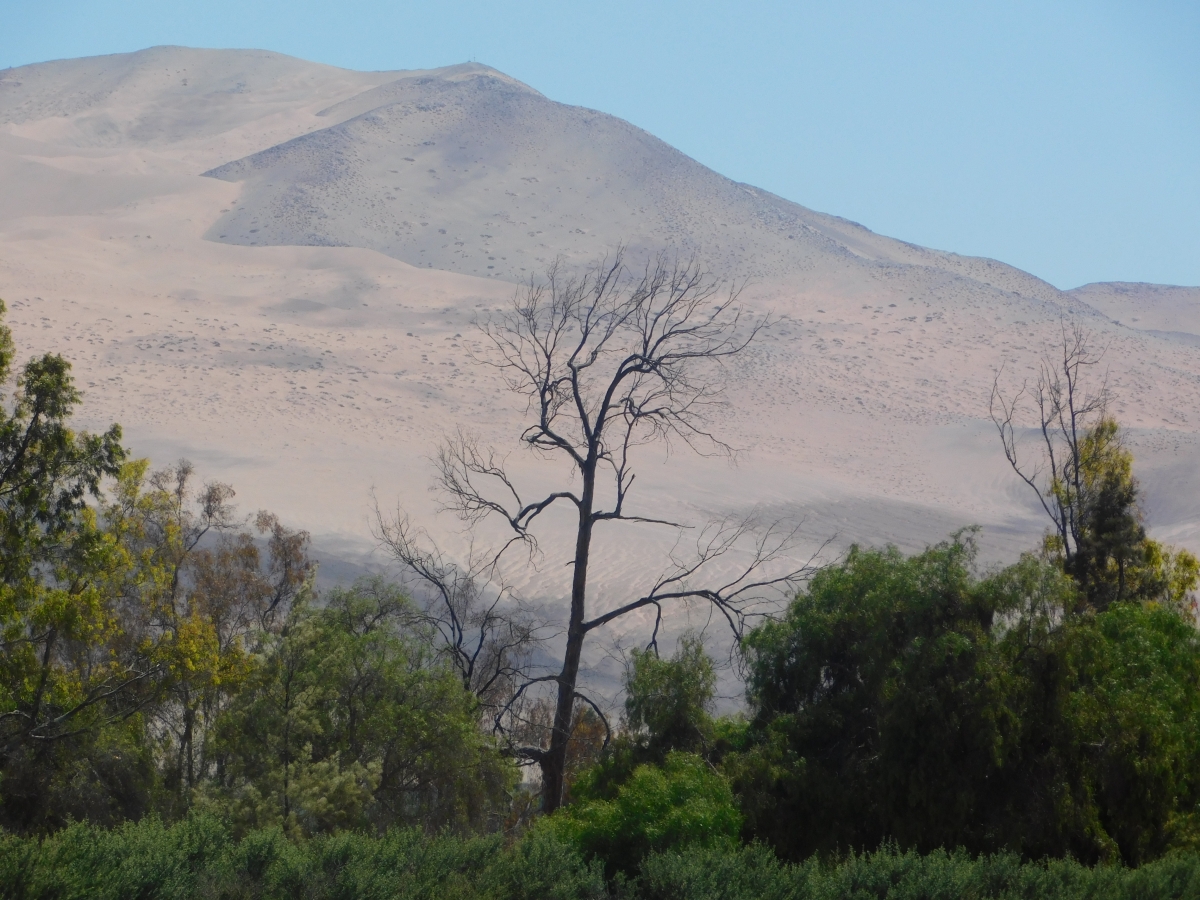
[607,362]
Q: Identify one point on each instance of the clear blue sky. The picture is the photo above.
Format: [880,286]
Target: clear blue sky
[1061,137]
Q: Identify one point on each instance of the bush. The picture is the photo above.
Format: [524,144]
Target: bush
[753,873]
[683,803]
[143,860]
[198,859]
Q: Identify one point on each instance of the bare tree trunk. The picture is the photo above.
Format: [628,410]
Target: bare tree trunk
[554,762]
[189,724]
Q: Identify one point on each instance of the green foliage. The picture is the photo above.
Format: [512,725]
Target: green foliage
[668,701]
[47,471]
[151,655]
[880,702]
[199,859]
[753,873]
[667,707]
[748,872]
[103,775]
[907,699]
[543,867]
[1133,711]
[67,677]
[203,608]
[139,641]
[351,720]
[1112,558]
[156,662]
[681,803]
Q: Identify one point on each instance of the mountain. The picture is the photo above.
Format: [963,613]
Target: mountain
[1164,309]
[273,267]
[467,170]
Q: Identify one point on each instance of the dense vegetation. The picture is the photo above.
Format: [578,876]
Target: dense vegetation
[182,715]
[905,699]
[199,859]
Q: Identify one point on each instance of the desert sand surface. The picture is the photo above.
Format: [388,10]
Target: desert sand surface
[273,268]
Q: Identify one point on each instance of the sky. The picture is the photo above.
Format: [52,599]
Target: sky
[1059,137]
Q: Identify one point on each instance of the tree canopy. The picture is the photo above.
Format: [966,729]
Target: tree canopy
[160,652]
[911,699]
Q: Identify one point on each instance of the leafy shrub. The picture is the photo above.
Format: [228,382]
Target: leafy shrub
[544,867]
[143,860]
[753,873]
[682,803]
[198,859]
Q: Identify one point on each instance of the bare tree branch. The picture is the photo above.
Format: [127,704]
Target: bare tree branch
[1065,412]
[607,361]
[600,713]
[489,642]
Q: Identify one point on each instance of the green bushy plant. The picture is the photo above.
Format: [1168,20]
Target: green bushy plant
[200,859]
[752,872]
[682,803]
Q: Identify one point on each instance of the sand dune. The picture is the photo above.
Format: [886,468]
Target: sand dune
[299,324]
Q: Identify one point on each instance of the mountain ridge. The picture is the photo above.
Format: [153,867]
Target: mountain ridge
[349,158]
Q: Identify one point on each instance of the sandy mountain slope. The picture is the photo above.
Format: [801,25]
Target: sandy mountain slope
[469,171]
[291,325]
[1166,310]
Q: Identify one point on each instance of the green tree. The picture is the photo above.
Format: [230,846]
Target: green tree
[908,699]
[1115,559]
[47,470]
[668,702]
[880,706]
[351,719]
[668,707]
[1133,713]
[66,675]
[198,595]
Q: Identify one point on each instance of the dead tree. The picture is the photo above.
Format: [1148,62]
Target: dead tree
[607,363]
[488,638]
[1066,413]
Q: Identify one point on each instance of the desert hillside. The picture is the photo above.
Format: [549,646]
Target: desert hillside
[468,171]
[272,267]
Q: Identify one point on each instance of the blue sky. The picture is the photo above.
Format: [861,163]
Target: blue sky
[1061,137]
